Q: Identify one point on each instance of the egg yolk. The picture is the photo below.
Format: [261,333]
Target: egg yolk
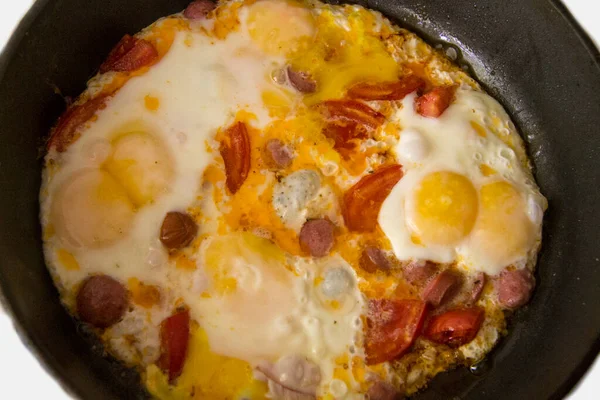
[339,58]
[280,28]
[207,375]
[91,209]
[242,260]
[503,231]
[141,164]
[445,208]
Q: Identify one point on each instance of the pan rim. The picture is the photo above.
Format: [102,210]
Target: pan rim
[59,373]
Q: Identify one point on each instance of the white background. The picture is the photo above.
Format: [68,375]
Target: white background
[21,377]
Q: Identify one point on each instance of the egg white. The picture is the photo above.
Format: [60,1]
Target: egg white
[450,143]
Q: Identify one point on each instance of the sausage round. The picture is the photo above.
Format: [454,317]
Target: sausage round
[515,288]
[442,288]
[374,259]
[101,301]
[383,391]
[301,81]
[316,237]
[177,230]
[477,285]
[278,153]
[198,9]
[419,272]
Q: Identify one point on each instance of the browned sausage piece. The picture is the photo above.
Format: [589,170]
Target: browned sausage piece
[383,391]
[178,230]
[198,9]
[477,286]
[419,272]
[278,153]
[374,259]
[442,288]
[515,287]
[316,237]
[301,81]
[101,301]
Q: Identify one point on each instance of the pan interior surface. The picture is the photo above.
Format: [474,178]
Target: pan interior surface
[529,55]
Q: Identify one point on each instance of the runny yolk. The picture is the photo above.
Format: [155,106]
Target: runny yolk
[503,231]
[280,28]
[207,375]
[445,208]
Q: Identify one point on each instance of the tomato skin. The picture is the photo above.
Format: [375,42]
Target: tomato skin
[348,111]
[235,150]
[455,327]
[392,327]
[174,338]
[65,131]
[386,90]
[129,54]
[433,103]
[346,136]
[362,202]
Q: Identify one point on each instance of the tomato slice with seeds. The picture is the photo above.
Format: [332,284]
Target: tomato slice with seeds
[386,90]
[363,201]
[351,111]
[455,327]
[174,339]
[65,131]
[392,327]
[235,150]
[129,54]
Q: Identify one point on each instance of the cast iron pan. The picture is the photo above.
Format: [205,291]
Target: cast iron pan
[529,54]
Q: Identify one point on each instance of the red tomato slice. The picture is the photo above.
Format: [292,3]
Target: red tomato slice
[174,338]
[351,111]
[392,326]
[235,150]
[129,54]
[386,90]
[456,327]
[345,135]
[362,201]
[433,103]
[65,131]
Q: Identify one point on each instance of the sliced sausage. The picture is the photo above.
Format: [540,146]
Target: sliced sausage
[129,54]
[316,237]
[515,287]
[101,301]
[477,286]
[278,153]
[292,377]
[381,390]
[199,9]
[301,81]
[374,259]
[419,272]
[178,230]
[442,288]
[433,103]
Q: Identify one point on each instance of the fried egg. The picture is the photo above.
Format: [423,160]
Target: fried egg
[234,202]
[467,194]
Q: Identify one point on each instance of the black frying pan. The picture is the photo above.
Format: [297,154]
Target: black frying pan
[529,54]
